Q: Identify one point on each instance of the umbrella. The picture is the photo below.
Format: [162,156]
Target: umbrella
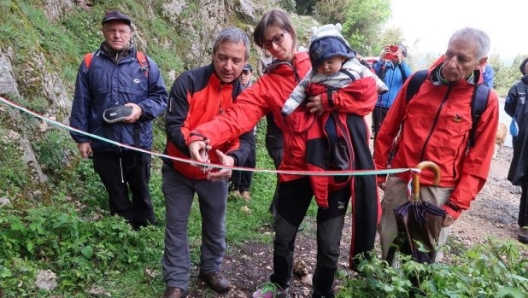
[418,222]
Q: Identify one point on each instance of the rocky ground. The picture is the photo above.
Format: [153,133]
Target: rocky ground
[493,213]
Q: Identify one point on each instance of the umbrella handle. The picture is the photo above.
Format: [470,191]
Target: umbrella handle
[416,178]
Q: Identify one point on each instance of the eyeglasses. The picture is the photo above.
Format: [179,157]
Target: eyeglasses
[277,39]
[246,72]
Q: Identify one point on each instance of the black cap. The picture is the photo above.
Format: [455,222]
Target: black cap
[115,15]
[248,67]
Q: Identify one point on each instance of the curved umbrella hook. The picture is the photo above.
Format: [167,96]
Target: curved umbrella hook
[416,178]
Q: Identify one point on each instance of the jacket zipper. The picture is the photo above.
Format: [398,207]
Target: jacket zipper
[434,124]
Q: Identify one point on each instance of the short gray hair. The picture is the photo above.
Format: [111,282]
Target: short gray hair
[475,36]
[234,35]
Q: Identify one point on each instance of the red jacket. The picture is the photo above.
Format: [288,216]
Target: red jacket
[196,97]
[435,126]
[268,94]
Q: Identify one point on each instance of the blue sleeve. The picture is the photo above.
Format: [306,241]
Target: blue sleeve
[407,69]
[156,102]
[81,110]
[489,76]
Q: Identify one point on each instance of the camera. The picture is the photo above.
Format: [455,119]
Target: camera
[391,52]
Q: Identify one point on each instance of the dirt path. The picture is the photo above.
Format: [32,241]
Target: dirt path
[493,213]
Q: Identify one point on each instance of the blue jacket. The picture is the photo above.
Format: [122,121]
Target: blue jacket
[393,78]
[106,84]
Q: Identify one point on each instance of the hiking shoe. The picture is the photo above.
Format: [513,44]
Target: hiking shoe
[270,290]
[117,114]
[523,235]
[215,281]
[172,292]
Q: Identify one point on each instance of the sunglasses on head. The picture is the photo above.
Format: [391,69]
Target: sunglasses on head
[246,72]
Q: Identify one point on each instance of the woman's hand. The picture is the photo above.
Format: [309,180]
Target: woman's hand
[315,104]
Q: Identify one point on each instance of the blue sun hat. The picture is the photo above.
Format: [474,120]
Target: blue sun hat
[327,42]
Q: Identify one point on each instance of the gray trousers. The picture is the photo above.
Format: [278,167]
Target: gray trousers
[179,193]
[395,195]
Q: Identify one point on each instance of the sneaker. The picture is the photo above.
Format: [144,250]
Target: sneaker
[523,235]
[270,290]
[245,195]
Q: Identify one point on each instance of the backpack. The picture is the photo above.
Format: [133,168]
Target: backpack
[479,100]
[140,57]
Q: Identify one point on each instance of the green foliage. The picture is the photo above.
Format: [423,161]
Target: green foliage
[305,7]
[364,20]
[80,251]
[494,269]
[505,76]
[54,150]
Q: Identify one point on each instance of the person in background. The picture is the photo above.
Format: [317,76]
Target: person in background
[241,180]
[275,33]
[393,70]
[515,106]
[264,60]
[196,97]
[488,75]
[435,126]
[142,91]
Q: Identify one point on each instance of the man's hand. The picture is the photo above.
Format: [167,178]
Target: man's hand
[137,111]
[315,105]
[85,149]
[448,220]
[198,151]
[222,174]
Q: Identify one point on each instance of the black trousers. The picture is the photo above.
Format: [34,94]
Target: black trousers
[378,115]
[276,155]
[294,200]
[124,172]
[242,179]
[523,206]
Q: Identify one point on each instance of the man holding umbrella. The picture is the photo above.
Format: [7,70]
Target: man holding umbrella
[436,125]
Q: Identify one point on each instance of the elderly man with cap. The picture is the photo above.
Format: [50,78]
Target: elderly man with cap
[393,70]
[118,92]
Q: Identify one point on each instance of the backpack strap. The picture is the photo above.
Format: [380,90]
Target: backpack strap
[88,59]
[140,56]
[404,76]
[479,102]
[143,62]
[415,83]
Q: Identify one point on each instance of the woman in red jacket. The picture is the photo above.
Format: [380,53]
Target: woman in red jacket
[276,34]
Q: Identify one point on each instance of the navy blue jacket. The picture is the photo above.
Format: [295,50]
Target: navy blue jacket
[106,84]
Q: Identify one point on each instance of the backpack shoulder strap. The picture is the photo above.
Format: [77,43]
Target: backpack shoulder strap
[415,82]
[402,71]
[88,59]
[479,102]
[142,59]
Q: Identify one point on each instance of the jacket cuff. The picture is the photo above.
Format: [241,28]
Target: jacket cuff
[195,136]
[452,209]
[327,101]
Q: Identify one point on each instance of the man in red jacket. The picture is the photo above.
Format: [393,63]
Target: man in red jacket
[196,97]
[435,125]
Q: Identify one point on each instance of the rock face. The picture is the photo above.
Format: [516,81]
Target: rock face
[8,85]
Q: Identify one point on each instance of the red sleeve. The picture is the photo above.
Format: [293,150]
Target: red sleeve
[249,108]
[357,98]
[477,162]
